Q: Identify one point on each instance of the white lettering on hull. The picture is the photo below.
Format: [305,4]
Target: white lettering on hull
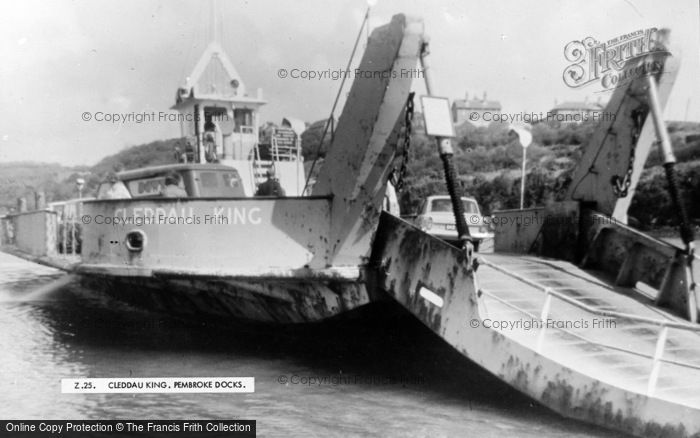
[186,215]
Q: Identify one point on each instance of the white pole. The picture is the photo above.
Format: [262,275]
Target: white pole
[524,134]
[522,182]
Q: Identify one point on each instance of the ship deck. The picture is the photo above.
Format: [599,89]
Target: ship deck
[612,334]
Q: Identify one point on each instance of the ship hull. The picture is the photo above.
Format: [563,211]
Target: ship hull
[266,301]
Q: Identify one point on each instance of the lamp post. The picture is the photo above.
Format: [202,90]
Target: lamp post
[525,139]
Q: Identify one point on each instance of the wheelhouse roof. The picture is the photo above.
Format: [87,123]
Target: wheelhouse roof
[145,172]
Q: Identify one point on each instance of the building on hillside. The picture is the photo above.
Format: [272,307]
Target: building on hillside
[478,112]
[576,112]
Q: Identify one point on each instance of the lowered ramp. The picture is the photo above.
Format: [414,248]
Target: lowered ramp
[582,322]
[557,333]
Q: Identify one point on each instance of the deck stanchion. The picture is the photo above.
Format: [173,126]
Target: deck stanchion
[658,354]
[64,232]
[72,234]
[543,317]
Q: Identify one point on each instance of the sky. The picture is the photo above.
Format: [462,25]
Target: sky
[63,58]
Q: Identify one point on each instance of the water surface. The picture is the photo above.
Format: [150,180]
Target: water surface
[390,376]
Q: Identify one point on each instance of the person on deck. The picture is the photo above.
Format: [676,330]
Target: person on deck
[172,188]
[113,188]
[271,187]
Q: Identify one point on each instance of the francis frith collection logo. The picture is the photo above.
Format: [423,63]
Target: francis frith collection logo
[592,60]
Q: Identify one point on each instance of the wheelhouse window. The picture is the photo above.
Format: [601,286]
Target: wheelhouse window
[198,183]
[145,187]
[220,184]
[244,121]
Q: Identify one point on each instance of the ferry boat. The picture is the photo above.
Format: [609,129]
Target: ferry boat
[575,308]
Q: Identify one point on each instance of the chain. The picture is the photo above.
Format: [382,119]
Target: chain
[621,185]
[397,178]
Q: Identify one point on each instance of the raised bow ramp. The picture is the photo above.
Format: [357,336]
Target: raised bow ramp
[273,260]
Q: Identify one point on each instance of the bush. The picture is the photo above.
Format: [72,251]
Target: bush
[652,205]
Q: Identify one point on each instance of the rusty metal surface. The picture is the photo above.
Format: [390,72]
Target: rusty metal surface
[599,242]
[276,302]
[357,165]
[619,354]
[576,377]
[516,230]
[630,131]
[552,231]
[409,260]
[242,235]
[282,261]
[630,256]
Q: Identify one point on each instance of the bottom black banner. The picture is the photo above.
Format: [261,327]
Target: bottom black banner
[114,428]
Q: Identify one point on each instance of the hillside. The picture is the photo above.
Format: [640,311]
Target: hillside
[23,178]
[488,161]
[58,182]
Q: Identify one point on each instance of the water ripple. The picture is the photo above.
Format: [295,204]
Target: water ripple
[52,328]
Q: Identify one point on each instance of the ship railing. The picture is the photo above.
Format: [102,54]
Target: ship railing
[68,226]
[663,325]
[284,152]
[285,145]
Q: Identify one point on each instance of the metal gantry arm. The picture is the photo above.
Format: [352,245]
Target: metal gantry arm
[669,164]
[687,234]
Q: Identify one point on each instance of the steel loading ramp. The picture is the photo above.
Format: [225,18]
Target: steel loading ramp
[573,317]
[636,370]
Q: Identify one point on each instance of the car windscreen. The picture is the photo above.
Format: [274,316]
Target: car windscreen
[445,206]
[470,207]
[219,183]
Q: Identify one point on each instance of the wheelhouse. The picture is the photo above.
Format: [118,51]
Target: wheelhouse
[198,180]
